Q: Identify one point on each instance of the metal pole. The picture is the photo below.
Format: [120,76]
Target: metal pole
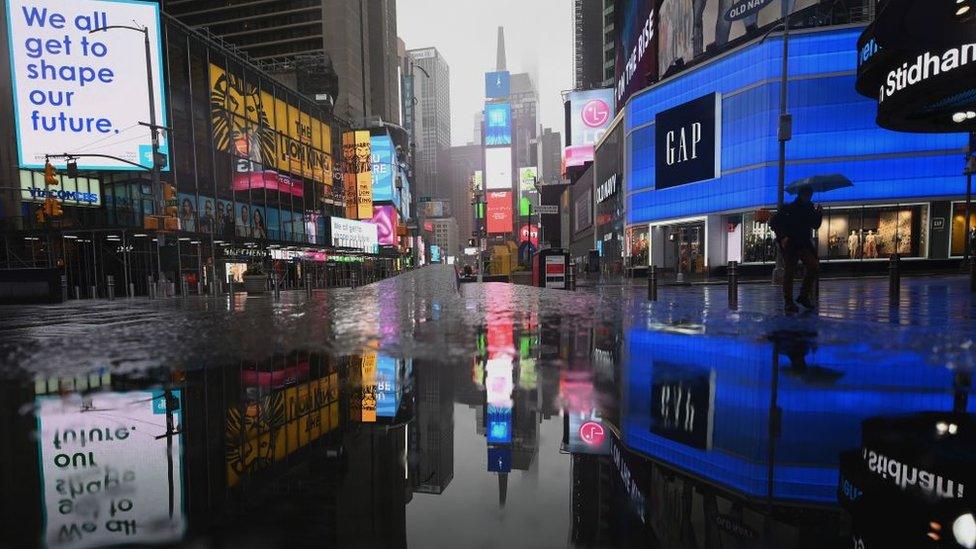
[733,284]
[894,281]
[968,252]
[785,133]
[652,283]
[111,287]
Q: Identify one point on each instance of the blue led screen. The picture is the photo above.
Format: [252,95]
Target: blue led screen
[383,168]
[498,124]
[821,416]
[833,132]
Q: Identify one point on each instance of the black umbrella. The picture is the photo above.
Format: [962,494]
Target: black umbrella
[820,183]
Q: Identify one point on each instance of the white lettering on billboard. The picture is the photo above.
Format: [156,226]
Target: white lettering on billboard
[349,233]
[78,91]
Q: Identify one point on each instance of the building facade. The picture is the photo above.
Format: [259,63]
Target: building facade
[432,119]
[465,162]
[588,32]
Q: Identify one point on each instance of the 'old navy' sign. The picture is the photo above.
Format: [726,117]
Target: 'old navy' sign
[607,189]
[745,8]
[688,142]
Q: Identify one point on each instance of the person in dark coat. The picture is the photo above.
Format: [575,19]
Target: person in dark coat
[794,226]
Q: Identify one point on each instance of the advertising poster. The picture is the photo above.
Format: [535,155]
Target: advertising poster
[499,385]
[499,212]
[479,180]
[498,124]
[360,158]
[80,191]
[584,211]
[527,178]
[590,115]
[363,378]
[636,63]
[435,253]
[498,168]
[529,233]
[269,137]
[349,233]
[63,76]
[263,431]
[385,219]
[687,33]
[110,475]
[384,167]
[387,387]
[187,205]
[689,139]
[498,84]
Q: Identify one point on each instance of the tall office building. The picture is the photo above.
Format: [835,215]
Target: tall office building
[431,120]
[588,41]
[465,160]
[321,47]
[431,445]
[609,43]
[549,147]
[525,103]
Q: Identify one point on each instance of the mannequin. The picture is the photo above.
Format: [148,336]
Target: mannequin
[853,245]
[871,245]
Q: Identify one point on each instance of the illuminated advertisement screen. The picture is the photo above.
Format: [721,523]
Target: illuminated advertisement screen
[498,85]
[498,387]
[80,191]
[274,143]
[527,178]
[387,387]
[590,115]
[385,219]
[383,168]
[358,174]
[121,441]
[635,65]
[498,169]
[499,212]
[71,89]
[349,233]
[498,124]
[435,253]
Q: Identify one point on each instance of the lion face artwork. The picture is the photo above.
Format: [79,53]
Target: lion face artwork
[229,96]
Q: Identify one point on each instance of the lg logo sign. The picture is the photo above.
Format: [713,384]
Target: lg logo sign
[592,433]
[682,145]
[595,113]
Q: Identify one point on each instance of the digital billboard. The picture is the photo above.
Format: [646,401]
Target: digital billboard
[498,124]
[499,385]
[349,233]
[499,212]
[478,181]
[590,115]
[79,191]
[384,167]
[358,174]
[72,88]
[113,476]
[385,219]
[687,32]
[636,47]
[387,387]
[498,84]
[583,210]
[498,168]
[435,253]
[527,178]
[689,142]
[274,143]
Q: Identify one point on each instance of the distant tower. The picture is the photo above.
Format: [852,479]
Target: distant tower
[502,489]
[501,49]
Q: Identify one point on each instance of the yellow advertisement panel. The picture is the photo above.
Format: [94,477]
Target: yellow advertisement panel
[364,175]
[349,176]
[266,431]
[274,132]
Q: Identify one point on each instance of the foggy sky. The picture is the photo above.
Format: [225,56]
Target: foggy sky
[538,40]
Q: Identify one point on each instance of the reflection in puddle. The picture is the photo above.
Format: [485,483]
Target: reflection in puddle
[589,427]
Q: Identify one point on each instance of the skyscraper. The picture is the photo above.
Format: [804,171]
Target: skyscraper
[383,60]
[432,119]
[465,160]
[588,55]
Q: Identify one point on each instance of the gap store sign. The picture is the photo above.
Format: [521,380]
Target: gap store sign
[834,132]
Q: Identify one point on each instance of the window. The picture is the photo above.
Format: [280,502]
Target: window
[959,229]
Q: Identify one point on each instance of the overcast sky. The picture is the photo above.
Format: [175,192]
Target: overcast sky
[538,40]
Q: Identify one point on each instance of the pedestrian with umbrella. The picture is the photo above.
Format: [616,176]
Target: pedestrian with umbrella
[794,225]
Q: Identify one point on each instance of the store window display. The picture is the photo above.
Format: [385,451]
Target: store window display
[959,229]
[638,246]
[758,241]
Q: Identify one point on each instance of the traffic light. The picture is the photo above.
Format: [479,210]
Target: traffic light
[50,175]
[169,201]
[72,169]
[39,215]
[56,210]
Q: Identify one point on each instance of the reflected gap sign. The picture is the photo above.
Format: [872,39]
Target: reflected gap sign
[75,90]
[688,142]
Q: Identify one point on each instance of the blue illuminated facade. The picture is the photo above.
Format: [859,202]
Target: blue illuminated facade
[834,131]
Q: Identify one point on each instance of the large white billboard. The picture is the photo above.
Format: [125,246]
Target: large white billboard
[81,92]
[110,474]
[349,233]
[498,168]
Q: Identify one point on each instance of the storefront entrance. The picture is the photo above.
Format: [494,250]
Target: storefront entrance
[684,251]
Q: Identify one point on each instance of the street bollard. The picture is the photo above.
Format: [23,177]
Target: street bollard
[111,287]
[308,286]
[64,287]
[571,278]
[894,281]
[94,291]
[199,287]
[652,283]
[77,292]
[132,289]
[149,287]
[277,288]
[733,284]
[184,288]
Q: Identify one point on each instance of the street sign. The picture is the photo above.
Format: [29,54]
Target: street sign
[547,209]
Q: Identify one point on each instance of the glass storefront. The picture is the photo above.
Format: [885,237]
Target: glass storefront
[959,229]
[849,233]
[638,246]
[684,248]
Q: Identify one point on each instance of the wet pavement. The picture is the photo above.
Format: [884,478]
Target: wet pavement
[414,412]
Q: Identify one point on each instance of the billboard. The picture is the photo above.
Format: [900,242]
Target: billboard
[388,389]
[384,167]
[111,476]
[479,180]
[583,210]
[349,233]
[80,191]
[527,178]
[689,142]
[273,142]
[498,168]
[590,115]
[636,47]
[687,32]
[435,253]
[498,85]
[358,174]
[385,219]
[499,385]
[499,212]
[498,124]
[529,233]
[67,83]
